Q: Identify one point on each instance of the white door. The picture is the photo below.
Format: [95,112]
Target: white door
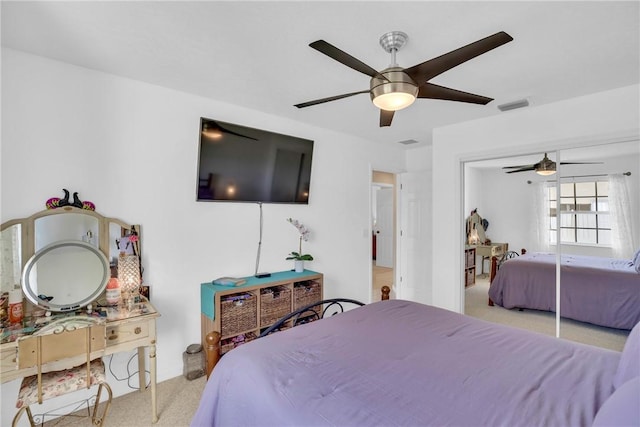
[384,227]
[415,237]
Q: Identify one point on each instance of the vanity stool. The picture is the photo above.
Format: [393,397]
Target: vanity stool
[73,347]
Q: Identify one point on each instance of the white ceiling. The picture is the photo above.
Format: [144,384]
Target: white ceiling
[256,54]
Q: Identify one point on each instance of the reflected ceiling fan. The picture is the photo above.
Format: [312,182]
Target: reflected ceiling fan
[213,130]
[546,166]
[395,88]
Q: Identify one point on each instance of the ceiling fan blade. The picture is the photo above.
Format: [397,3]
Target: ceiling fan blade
[523,169]
[429,69]
[331,98]
[213,130]
[386,117]
[235,133]
[518,167]
[580,163]
[430,90]
[344,58]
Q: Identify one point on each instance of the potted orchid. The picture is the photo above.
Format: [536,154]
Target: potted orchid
[298,257]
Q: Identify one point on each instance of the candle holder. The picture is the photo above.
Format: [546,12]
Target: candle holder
[129,277]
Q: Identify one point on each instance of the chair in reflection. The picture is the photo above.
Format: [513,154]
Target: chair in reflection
[72,347]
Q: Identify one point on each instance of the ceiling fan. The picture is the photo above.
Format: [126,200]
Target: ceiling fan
[545,166]
[213,130]
[395,88]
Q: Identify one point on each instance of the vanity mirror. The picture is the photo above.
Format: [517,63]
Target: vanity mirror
[63,257]
[65,276]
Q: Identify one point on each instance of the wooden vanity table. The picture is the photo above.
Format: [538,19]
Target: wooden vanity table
[88,248]
[127,330]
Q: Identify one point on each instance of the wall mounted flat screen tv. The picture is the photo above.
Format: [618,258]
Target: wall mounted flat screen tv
[242,164]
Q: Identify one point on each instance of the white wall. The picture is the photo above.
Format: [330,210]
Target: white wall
[598,118]
[131,148]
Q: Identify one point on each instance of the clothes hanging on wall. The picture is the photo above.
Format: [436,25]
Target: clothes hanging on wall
[476,229]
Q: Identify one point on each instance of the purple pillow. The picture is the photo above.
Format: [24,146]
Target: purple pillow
[629,366]
[621,408]
[636,261]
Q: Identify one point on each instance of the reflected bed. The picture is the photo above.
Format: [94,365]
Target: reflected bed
[597,290]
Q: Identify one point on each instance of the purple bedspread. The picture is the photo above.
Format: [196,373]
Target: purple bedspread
[400,363]
[602,291]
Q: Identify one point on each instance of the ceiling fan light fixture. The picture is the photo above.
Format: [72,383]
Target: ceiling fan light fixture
[211,132]
[398,91]
[394,101]
[546,167]
[544,172]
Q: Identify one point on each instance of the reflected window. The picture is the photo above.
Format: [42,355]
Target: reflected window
[584,213]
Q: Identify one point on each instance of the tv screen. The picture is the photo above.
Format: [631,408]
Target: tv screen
[242,164]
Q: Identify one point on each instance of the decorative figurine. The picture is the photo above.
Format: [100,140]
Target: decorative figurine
[56,202]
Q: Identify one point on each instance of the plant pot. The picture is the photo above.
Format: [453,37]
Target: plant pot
[299,266]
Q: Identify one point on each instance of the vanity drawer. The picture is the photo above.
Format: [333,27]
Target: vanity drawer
[118,334]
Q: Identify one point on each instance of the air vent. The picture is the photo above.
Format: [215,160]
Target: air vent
[408,142]
[513,105]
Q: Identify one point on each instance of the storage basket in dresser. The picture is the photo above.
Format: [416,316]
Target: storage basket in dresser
[275,302]
[233,342]
[306,293]
[238,313]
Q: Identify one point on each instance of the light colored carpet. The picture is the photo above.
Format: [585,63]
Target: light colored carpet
[178,399]
[476,298]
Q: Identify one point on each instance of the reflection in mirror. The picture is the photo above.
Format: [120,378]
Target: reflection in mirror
[65,276]
[512,202]
[11,261]
[599,221]
[70,226]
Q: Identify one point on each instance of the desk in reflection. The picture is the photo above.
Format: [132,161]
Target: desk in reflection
[490,250]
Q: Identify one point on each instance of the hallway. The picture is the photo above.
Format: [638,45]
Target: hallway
[381,276]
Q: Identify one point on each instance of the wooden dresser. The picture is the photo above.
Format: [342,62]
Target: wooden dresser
[469,266]
[240,313]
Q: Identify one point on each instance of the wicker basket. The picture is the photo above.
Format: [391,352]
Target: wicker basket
[231,343]
[274,303]
[238,314]
[305,293]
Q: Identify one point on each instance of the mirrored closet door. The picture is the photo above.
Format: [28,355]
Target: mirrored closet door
[597,222]
[520,209]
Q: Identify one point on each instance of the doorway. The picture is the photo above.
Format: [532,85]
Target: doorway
[383,220]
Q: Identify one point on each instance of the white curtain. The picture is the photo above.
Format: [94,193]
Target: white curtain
[542,220]
[623,245]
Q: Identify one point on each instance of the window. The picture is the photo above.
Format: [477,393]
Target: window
[584,213]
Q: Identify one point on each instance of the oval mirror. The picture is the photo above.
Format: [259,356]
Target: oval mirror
[65,276]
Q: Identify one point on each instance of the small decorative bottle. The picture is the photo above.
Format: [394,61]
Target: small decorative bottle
[15,306]
[113,291]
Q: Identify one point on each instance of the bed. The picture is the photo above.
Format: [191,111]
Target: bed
[601,291]
[401,363]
